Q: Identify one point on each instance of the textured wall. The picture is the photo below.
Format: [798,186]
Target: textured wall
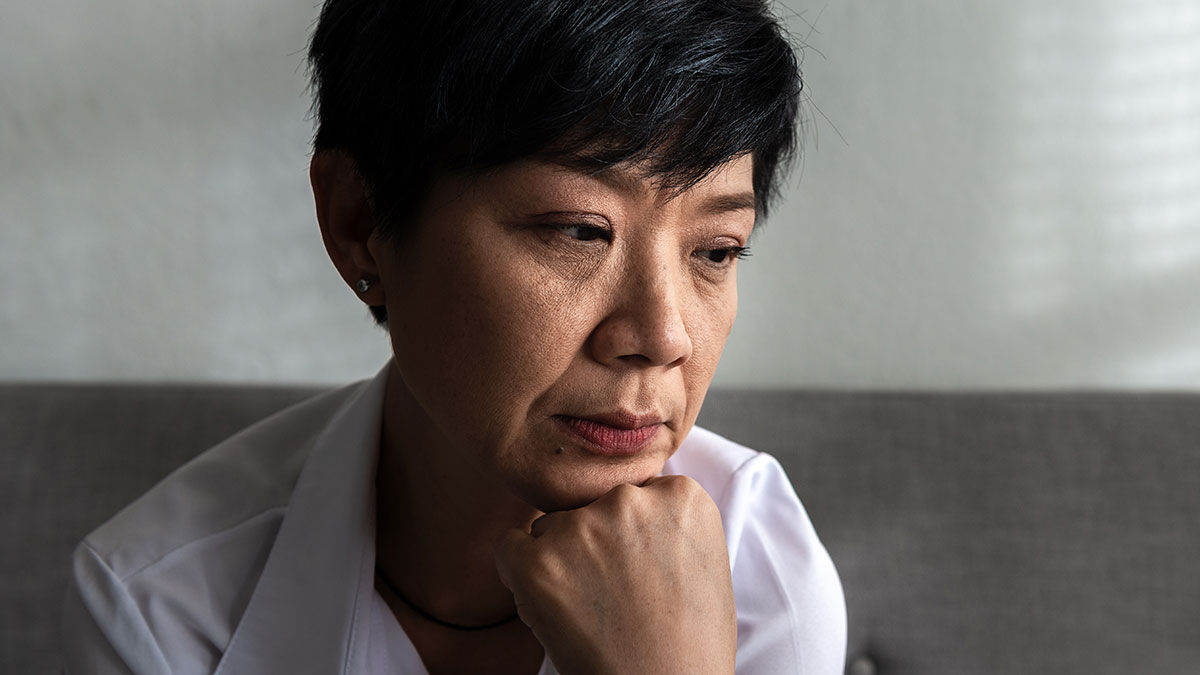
[995,194]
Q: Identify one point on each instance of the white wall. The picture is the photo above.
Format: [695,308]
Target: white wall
[995,194]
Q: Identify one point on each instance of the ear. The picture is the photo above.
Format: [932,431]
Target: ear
[346,221]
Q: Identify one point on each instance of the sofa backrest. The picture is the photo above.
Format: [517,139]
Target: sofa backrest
[1014,533]
[70,458]
[998,533]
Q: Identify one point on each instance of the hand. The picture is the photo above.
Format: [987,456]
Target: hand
[636,582]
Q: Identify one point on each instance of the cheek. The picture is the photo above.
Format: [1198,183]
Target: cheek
[713,318]
[487,332]
[709,332]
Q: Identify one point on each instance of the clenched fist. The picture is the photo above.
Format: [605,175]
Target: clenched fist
[636,582]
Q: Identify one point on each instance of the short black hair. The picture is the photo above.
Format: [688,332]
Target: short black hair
[412,89]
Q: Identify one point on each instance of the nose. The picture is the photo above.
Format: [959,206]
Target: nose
[645,327]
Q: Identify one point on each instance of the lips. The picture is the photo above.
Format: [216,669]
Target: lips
[613,433]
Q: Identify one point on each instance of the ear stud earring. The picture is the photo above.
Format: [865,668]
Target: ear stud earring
[363,286]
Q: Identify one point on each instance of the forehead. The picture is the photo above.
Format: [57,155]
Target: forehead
[728,187]
[636,174]
[535,184]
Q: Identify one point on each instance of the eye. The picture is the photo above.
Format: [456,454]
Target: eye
[584,231]
[724,256]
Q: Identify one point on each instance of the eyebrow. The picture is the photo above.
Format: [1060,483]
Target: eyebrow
[622,181]
[739,201]
[613,177]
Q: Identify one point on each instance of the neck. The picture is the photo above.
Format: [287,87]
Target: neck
[439,517]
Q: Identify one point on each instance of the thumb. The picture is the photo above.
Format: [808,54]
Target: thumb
[512,552]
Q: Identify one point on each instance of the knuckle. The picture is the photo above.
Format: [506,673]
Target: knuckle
[693,501]
[676,481]
[536,575]
[623,492]
[689,485]
[621,499]
[541,524]
[684,488]
[543,570]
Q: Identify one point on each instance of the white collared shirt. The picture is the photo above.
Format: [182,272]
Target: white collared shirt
[258,557]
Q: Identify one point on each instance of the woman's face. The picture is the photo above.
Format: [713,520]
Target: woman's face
[560,330]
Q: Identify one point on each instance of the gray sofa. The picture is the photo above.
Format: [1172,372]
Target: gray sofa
[995,533]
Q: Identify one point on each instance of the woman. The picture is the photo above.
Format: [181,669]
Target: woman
[543,202]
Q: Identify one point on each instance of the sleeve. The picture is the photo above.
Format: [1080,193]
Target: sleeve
[791,611]
[104,632]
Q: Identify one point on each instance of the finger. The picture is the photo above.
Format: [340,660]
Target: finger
[679,486]
[668,479]
[543,523]
[512,552]
[652,480]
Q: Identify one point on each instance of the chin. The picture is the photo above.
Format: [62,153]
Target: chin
[564,493]
[549,503]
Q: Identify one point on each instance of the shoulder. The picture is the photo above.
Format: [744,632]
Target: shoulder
[711,459]
[747,485]
[791,611]
[233,482]
[177,565]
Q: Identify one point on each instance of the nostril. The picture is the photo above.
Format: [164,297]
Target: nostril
[641,339]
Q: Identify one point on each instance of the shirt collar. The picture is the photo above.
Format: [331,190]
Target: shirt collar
[311,605]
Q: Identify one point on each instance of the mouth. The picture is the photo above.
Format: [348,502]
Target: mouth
[612,434]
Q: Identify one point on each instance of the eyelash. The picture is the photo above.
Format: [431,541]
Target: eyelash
[600,232]
[728,254]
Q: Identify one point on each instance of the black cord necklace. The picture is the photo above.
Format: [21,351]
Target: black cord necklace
[441,622]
